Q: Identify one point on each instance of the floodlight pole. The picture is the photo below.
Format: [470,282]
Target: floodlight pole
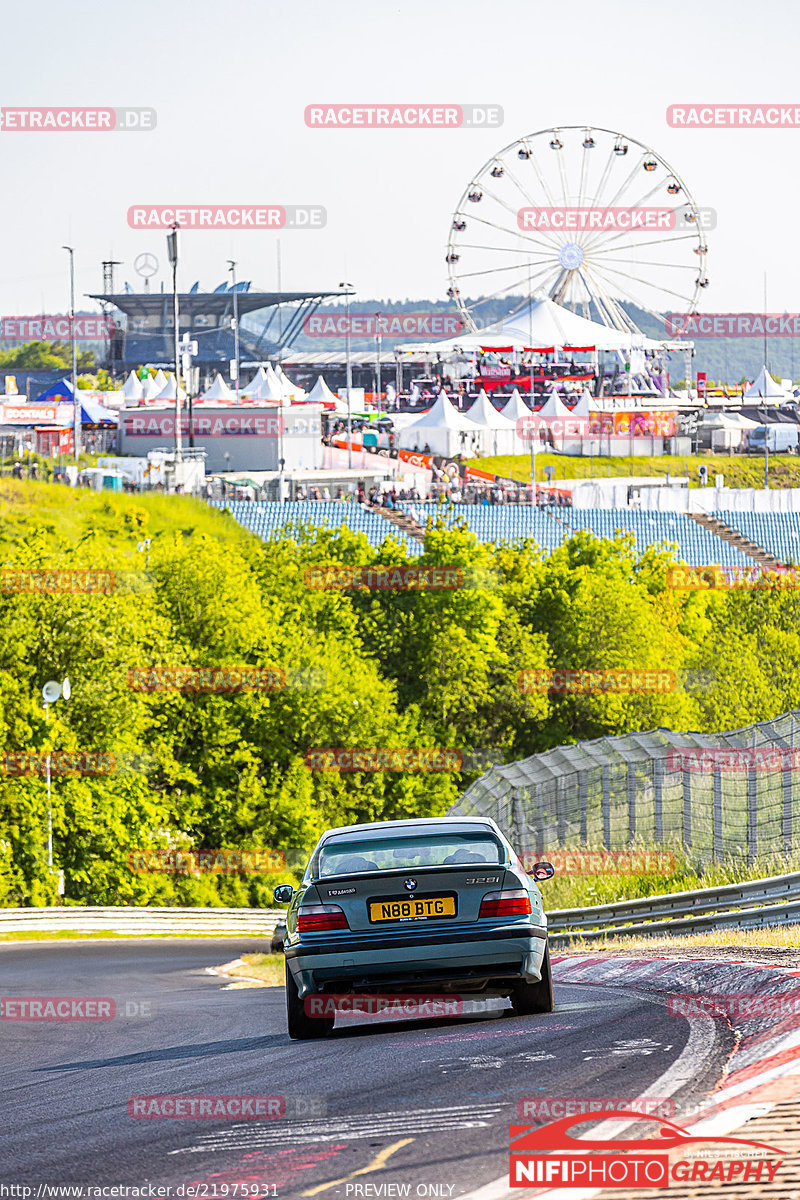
[172,249]
[349,377]
[232,269]
[76,403]
[378,338]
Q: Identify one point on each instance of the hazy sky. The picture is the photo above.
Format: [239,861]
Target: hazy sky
[230,81]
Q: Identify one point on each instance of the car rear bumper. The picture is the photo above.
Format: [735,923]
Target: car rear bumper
[421,961]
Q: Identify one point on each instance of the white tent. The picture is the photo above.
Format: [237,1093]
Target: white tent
[554,407]
[132,388]
[219,390]
[515,407]
[539,324]
[586,402]
[443,429]
[765,388]
[289,390]
[498,431]
[518,413]
[151,389]
[321,393]
[272,384]
[253,389]
[160,379]
[168,391]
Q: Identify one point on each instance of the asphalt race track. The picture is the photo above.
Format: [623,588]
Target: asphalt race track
[419,1102]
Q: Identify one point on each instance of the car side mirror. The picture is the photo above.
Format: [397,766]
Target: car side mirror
[283,893]
[542,870]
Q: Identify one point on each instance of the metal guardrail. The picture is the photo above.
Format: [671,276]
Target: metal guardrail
[748,905]
[124,919]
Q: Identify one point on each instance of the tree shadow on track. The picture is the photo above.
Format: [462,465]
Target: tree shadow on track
[201,1050]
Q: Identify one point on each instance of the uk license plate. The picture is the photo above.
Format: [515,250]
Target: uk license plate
[413,909]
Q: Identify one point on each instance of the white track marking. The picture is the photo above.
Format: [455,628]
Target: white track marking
[265,1135]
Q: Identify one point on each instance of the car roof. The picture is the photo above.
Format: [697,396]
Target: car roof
[456,824]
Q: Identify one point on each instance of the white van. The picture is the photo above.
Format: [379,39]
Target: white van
[780,438]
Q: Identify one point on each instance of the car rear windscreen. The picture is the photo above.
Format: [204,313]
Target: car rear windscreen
[403,854]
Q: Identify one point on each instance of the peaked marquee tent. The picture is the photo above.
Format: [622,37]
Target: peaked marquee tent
[540,325]
[443,428]
[219,390]
[765,387]
[499,435]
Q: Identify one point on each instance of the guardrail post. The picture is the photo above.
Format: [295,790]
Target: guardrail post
[786,786]
[606,807]
[687,810]
[631,804]
[717,851]
[583,804]
[752,814]
[658,796]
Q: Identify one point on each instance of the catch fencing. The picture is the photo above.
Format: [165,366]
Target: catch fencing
[727,796]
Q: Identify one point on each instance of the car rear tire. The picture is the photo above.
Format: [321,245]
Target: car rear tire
[301,1026]
[528,998]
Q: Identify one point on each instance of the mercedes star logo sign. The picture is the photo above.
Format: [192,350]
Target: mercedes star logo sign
[410,885]
[145,265]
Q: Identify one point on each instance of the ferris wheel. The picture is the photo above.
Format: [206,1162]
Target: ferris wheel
[591,218]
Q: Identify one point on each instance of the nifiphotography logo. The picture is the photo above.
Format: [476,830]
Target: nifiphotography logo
[554,1156]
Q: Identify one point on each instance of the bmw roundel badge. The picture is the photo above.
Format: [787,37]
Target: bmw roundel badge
[410,885]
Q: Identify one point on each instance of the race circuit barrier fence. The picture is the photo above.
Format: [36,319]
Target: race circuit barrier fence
[756,904]
[130,921]
[726,796]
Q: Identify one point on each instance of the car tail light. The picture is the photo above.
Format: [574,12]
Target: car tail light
[516,903]
[315,918]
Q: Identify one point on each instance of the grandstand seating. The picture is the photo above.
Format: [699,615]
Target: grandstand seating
[266,518]
[776,532]
[550,527]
